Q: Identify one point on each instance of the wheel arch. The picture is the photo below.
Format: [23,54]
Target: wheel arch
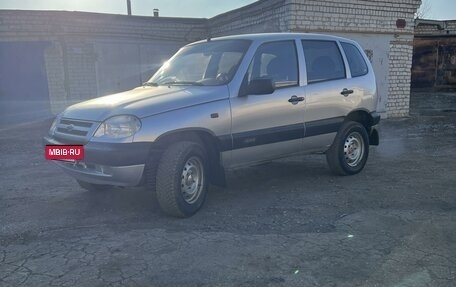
[204,137]
[361,116]
[365,118]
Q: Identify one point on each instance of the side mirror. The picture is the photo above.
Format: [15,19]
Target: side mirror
[259,87]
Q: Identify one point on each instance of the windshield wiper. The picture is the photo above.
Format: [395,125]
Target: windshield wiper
[150,84]
[182,83]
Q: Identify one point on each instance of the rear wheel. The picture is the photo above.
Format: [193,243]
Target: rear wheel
[93,187]
[181,182]
[350,149]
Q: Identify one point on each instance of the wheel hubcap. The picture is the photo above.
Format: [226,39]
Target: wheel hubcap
[353,149]
[192,179]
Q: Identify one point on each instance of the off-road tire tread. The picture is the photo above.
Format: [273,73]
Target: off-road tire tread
[150,171]
[166,182]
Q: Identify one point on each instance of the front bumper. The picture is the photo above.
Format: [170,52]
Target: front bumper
[120,164]
[99,174]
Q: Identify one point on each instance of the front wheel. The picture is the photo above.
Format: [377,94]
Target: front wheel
[181,182]
[350,149]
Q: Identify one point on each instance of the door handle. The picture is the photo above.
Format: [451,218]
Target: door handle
[295,99]
[346,92]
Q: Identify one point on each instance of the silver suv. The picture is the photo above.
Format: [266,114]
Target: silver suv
[225,103]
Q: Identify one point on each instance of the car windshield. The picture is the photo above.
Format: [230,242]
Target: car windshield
[211,63]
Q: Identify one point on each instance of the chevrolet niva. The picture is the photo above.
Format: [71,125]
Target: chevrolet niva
[225,103]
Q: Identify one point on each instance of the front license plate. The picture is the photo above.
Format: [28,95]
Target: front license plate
[64,152]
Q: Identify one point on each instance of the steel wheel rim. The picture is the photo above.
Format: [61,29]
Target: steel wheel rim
[192,179]
[353,149]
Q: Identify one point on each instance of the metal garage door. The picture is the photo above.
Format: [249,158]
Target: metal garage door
[24,92]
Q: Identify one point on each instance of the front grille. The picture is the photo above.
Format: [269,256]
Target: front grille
[78,123]
[71,130]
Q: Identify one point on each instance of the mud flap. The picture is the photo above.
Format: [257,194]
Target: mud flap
[374,137]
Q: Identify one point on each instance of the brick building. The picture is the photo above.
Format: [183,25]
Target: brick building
[60,58]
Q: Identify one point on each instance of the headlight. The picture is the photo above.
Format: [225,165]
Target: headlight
[119,127]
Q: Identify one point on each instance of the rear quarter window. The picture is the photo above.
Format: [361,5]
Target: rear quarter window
[356,62]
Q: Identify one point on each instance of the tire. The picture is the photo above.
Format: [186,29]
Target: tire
[93,187]
[150,171]
[181,182]
[349,152]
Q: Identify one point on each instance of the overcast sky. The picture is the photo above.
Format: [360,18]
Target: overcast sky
[439,9]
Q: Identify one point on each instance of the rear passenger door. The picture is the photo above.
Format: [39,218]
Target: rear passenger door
[360,79]
[328,97]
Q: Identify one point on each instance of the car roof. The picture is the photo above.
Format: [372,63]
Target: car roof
[266,37]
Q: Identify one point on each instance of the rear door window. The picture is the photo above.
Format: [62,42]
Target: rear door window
[358,66]
[323,61]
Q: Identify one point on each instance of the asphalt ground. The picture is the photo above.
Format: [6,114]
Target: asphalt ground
[286,223]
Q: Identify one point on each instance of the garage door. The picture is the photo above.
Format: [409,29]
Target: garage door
[24,92]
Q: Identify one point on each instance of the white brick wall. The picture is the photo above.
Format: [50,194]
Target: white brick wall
[352,15]
[399,76]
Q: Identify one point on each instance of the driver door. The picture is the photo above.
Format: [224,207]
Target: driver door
[269,126]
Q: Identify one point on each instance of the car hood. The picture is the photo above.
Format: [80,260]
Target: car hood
[145,101]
